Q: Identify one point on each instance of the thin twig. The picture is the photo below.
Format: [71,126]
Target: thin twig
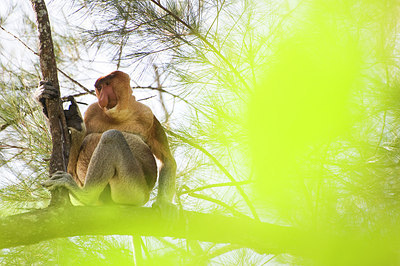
[202,38]
[222,168]
[226,184]
[7,146]
[123,42]
[77,83]
[219,202]
[147,98]
[223,250]
[37,54]
[18,39]
[159,86]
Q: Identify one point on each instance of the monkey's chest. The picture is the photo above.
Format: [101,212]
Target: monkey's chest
[137,127]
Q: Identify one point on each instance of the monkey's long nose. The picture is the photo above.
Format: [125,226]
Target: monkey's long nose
[103,99]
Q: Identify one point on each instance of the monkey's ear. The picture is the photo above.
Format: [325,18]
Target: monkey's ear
[73,115]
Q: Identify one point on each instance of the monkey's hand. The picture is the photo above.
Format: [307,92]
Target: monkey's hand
[168,210]
[46,90]
[74,117]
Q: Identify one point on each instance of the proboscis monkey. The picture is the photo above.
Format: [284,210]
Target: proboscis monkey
[113,148]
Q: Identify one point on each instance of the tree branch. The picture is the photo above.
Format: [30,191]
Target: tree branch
[57,123]
[55,222]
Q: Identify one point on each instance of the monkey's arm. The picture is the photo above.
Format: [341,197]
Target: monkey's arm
[74,121]
[77,129]
[166,181]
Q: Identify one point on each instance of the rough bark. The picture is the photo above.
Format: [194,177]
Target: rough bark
[57,122]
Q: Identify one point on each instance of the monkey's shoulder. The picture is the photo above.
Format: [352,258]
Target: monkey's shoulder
[142,112]
[140,121]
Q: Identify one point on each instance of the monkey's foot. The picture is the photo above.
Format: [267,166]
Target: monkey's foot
[168,210]
[59,174]
[58,179]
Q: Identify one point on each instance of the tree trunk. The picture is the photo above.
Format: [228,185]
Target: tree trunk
[57,123]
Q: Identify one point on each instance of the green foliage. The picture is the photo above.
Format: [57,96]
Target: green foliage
[24,148]
[284,111]
[323,134]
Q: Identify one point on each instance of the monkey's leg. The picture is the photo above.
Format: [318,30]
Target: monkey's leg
[114,163]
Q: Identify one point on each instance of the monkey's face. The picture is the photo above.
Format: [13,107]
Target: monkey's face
[107,98]
[114,95]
